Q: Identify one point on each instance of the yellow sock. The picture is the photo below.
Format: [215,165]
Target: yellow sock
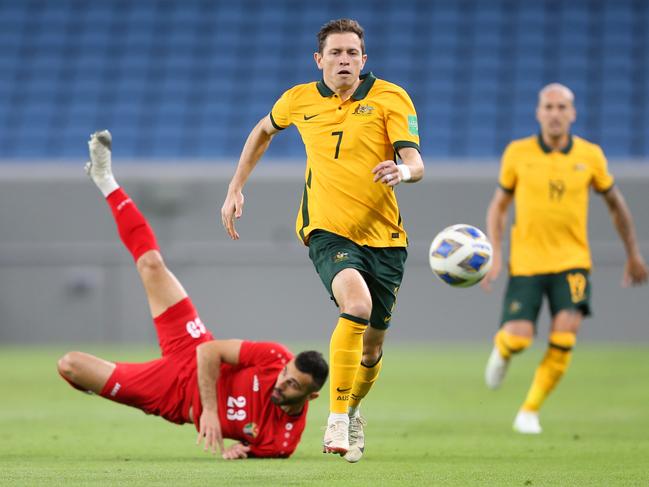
[552,367]
[509,344]
[345,354]
[365,378]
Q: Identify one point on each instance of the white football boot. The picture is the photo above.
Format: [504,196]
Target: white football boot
[336,438]
[356,438]
[100,147]
[496,369]
[527,422]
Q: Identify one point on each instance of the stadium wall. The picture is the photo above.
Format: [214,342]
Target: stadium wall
[64,277]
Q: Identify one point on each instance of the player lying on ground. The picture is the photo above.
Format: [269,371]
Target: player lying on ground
[253,392]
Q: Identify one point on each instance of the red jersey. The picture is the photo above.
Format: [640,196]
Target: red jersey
[168,386]
[245,409]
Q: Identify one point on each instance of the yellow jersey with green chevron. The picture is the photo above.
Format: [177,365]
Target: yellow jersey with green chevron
[344,141]
[551,190]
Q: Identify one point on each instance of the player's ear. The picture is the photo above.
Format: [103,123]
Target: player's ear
[318,59]
[312,396]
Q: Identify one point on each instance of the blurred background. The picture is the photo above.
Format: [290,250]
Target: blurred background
[181,83]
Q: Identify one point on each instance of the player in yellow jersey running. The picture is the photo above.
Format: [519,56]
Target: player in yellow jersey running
[353,127]
[549,177]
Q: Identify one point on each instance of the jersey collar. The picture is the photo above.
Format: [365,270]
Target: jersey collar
[361,92]
[547,149]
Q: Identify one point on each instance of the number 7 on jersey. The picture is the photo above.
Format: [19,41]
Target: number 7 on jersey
[340,138]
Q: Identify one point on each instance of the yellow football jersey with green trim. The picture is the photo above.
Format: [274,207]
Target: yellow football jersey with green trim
[344,141]
[551,193]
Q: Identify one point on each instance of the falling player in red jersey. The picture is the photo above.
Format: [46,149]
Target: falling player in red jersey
[253,392]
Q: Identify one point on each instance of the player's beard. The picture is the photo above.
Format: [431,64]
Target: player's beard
[281,400]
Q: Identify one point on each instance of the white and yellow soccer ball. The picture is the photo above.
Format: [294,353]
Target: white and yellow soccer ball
[460,255]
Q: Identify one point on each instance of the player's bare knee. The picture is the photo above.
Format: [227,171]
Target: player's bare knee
[68,364]
[150,262]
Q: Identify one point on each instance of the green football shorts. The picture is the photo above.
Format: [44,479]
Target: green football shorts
[381,267]
[565,290]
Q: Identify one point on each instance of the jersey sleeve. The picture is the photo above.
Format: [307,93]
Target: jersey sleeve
[280,115]
[602,179]
[263,354]
[507,178]
[401,121]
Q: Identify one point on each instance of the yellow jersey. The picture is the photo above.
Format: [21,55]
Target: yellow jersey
[344,141]
[551,190]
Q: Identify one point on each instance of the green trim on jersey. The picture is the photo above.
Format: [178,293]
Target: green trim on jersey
[547,149]
[272,120]
[305,206]
[367,81]
[400,144]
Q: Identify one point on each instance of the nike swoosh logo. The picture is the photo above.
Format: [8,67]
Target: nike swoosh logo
[343,390]
[309,117]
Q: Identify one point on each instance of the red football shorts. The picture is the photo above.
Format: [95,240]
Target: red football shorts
[158,387]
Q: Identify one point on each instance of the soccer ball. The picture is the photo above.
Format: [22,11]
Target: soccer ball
[460,255]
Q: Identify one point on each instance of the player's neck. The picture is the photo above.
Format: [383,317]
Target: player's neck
[344,92]
[556,143]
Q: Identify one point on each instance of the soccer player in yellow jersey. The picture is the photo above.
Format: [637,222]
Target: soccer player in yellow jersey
[549,177]
[353,127]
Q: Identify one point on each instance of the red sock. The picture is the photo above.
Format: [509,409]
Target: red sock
[133,229]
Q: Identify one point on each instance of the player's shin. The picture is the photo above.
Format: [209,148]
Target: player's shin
[365,379]
[133,228]
[552,367]
[345,353]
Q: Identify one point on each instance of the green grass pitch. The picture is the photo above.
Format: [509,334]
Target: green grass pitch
[430,422]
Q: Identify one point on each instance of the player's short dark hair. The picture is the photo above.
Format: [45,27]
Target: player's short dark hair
[314,364]
[340,26]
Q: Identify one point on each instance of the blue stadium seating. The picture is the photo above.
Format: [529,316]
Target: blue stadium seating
[189,79]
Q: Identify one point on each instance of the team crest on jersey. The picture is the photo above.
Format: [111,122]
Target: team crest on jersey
[340,257]
[251,429]
[579,167]
[363,110]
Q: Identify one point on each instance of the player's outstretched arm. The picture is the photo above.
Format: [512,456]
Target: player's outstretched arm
[410,171]
[635,269]
[496,223]
[255,147]
[209,356]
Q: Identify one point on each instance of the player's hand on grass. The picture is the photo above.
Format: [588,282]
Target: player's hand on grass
[232,209]
[635,271]
[387,172]
[236,452]
[493,273]
[210,431]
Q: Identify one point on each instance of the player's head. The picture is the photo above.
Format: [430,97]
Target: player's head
[301,379]
[556,110]
[341,52]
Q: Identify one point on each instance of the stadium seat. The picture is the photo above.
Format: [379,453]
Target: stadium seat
[168,70]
